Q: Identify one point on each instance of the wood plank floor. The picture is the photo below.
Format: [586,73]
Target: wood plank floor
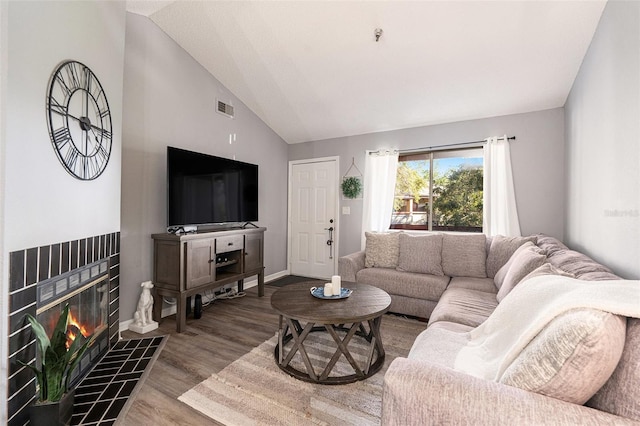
[227,330]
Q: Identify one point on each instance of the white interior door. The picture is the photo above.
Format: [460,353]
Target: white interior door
[313,203]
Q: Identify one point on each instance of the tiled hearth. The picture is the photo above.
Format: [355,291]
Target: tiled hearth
[102,395]
[56,263]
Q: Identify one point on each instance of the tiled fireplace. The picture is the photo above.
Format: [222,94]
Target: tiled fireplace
[83,273]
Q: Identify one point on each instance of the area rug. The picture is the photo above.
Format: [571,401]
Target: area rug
[253,390]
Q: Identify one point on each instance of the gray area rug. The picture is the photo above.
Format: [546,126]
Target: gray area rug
[253,390]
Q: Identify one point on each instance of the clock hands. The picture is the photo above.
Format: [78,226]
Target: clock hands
[86,124]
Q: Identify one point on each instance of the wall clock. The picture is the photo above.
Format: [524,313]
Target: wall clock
[79,120]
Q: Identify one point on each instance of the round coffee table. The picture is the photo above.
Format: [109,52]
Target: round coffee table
[360,314]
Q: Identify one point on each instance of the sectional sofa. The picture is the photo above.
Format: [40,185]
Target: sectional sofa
[582,366]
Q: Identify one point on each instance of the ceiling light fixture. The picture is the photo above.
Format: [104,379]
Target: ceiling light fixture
[378,34]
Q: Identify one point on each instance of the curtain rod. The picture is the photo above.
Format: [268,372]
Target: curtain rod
[441,147]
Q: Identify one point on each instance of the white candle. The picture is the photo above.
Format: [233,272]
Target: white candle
[328,289]
[336,283]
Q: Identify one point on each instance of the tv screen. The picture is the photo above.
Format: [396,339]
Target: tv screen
[203,189]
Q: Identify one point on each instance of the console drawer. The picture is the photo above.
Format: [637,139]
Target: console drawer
[229,243]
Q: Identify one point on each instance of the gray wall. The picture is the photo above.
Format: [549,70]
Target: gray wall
[603,144]
[169,99]
[537,158]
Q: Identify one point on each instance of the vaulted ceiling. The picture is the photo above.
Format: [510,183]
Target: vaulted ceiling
[313,70]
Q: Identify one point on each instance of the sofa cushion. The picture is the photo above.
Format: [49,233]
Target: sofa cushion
[421,254]
[572,357]
[524,262]
[464,306]
[581,266]
[381,250]
[549,244]
[464,255]
[502,248]
[410,284]
[479,284]
[621,394]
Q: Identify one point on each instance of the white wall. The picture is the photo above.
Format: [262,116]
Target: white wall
[537,157]
[41,203]
[44,203]
[603,144]
[169,99]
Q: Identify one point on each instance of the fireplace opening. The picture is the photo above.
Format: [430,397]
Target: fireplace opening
[86,290]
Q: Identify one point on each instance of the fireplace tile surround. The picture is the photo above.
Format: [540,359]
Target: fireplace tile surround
[31,266]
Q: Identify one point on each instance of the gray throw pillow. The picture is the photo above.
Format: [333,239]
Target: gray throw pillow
[381,250]
[422,254]
[464,255]
[524,261]
[572,357]
[502,248]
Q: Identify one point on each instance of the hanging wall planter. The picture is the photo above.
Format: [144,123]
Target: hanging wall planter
[351,183]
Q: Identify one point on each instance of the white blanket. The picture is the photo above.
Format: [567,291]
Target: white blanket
[529,307]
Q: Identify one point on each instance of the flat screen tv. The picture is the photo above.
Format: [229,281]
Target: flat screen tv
[203,189]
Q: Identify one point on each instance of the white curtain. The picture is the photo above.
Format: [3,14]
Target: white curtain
[379,189]
[499,200]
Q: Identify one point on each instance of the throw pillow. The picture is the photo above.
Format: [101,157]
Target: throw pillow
[524,262]
[464,255]
[572,357]
[502,248]
[498,279]
[422,254]
[381,249]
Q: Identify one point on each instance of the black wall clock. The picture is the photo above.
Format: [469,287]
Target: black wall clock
[79,120]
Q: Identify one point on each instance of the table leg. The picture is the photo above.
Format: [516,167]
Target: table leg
[181,312]
[342,349]
[298,346]
[261,283]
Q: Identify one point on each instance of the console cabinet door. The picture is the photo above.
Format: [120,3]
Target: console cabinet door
[199,268]
[252,252]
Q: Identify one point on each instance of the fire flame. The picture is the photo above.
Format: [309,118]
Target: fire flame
[73,327]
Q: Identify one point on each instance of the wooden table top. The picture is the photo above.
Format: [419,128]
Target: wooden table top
[295,301]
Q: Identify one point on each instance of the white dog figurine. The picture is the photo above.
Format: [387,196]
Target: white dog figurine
[143,315]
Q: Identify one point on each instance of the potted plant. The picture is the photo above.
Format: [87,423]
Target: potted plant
[54,370]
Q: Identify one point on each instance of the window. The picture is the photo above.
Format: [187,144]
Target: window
[439,191]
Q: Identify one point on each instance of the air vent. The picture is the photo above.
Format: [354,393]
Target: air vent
[224,109]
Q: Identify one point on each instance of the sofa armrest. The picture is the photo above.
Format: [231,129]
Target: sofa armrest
[348,266]
[419,392]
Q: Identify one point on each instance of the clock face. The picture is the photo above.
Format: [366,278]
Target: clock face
[79,120]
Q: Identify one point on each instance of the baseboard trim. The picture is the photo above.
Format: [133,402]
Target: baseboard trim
[171,309]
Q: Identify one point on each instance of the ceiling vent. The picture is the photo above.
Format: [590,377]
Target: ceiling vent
[224,109]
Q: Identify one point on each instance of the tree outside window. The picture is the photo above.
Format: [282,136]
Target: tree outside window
[440,190]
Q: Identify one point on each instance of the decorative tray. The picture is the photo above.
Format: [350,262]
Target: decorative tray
[319,293]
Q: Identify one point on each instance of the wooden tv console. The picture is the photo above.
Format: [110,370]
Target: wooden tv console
[188,264]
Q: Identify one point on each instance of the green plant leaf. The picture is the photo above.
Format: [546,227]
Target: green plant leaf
[59,336]
[38,374]
[57,362]
[76,355]
[41,335]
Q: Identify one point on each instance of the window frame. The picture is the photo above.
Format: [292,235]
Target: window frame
[430,156]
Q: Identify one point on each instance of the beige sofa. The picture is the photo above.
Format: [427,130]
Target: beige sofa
[425,388]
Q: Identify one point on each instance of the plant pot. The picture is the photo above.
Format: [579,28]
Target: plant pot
[46,413]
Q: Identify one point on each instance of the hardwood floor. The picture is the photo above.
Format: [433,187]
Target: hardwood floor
[227,330]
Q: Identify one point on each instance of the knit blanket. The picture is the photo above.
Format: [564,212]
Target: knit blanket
[526,311]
